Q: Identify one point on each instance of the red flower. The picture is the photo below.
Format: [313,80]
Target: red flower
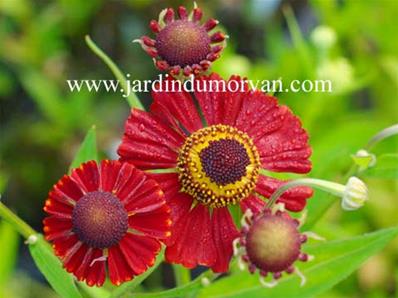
[183,45]
[215,165]
[106,217]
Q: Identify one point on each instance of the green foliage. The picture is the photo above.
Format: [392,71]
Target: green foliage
[87,150]
[333,262]
[386,167]
[8,253]
[51,267]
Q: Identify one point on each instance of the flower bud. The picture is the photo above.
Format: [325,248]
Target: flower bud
[363,159]
[355,194]
[323,37]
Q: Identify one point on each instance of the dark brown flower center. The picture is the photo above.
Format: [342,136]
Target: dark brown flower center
[273,243]
[224,161]
[182,43]
[99,219]
[218,165]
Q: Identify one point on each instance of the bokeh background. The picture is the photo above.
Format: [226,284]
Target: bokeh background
[42,122]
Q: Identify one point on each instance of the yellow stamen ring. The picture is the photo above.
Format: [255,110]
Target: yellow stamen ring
[197,183]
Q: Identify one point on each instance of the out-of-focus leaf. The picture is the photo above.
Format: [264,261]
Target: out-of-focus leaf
[132,99]
[334,261]
[8,252]
[45,94]
[87,150]
[331,155]
[51,267]
[386,167]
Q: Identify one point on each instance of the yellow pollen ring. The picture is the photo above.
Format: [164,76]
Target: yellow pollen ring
[193,178]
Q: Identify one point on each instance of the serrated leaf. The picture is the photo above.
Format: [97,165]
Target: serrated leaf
[51,267]
[386,167]
[87,150]
[334,261]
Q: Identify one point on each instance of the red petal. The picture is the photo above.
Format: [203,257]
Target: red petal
[179,203]
[58,209]
[194,245]
[260,115]
[55,227]
[140,251]
[180,105]
[128,181]
[83,267]
[155,223]
[119,269]
[233,101]
[87,176]
[224,232]
[66,191]
[95,274]
[146,198]
[286,149]
[253,203]
[211,103]
[294,198]
[75,257]
[63,244]
[148,143]
[109,173]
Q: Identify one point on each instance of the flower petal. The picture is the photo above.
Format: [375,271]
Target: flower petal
[285,149]
[86,176]
[148,197]
[195,244]
[119,269]
[224,232]
[211,103]
[178,104]
[109,173]
[96,274]
[128,181]
[253,203]
[66,191]
[179,203]
[294,198]
[155,223]
[139,251]
[148,143]
[55,227]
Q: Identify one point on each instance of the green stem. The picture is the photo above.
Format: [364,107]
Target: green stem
[22,227]
[182,291]
[182,275]
[330,187]
[384,134]
[132,99]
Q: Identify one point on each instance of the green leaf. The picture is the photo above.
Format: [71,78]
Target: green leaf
[132,99]
[51,267]
[386,167]
[87,150]
[331,157]
[8,252]
[334,261]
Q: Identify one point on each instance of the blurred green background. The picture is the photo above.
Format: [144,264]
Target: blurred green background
[42,123]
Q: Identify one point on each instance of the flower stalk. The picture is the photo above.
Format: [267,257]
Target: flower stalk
[22,227]
[354,194]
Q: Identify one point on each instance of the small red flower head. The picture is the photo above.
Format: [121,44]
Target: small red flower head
[106,217]
[183,44]
[271,243]
[216,149]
